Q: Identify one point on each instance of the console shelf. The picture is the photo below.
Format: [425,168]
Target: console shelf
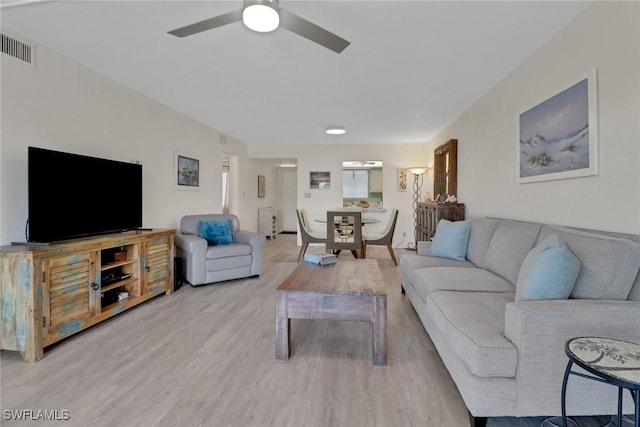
[117,306]
[117,264]
[48,293]
[118,284]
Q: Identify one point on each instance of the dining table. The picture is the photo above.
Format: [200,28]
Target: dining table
[364,221]
[344,230]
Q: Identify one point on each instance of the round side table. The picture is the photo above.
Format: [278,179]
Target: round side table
[609,361]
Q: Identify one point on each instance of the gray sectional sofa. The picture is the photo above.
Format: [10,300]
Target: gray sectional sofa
[506,357]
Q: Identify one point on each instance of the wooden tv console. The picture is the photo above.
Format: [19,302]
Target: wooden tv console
[48,293]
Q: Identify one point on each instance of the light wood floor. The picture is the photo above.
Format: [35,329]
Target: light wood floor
[206,357]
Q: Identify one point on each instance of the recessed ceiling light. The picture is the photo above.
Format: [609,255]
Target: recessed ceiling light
[287,165]
[336,130]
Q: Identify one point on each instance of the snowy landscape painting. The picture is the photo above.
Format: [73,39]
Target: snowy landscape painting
[557,137]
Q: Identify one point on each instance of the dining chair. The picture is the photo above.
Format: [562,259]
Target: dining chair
[383,239]
[344,232]
[307,234]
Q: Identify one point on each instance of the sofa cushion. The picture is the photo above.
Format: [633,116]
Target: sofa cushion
[634,295]
[609,264]
[549,271]
[510,244]
[219,264]
[189,223]
[451,240]
[426,280]
[227,251]
[216,232]
[473,323]
[482,230]
[411,261]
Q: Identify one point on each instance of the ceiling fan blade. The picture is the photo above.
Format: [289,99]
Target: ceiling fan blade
[19,3]
[208,24]
[311,31]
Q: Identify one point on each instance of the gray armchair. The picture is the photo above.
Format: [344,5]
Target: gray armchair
[208,264]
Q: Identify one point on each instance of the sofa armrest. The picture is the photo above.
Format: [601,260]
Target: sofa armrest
[193,251]
[257,242]
[248,238]
[424,248]
[540,329]
[190,243]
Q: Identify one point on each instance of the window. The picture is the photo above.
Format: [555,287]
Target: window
[355,183]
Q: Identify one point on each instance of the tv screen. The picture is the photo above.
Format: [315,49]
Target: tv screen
[71,195]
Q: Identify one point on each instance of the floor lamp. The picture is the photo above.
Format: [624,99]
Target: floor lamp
[418,179]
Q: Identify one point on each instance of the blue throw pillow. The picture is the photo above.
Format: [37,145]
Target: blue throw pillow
[549,271]
[216,232]
[451,239]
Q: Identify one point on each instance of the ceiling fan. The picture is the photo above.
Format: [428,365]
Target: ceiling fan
[360,163]
[265,16]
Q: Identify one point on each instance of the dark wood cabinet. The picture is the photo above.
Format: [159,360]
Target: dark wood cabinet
[430,213]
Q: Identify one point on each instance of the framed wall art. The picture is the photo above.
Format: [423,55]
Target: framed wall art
[319,180]
[402,179]
[558,137]
[186,171]
[261,186]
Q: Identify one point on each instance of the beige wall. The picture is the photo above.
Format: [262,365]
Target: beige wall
[330,157]
[607,37]
[64,106]
[244,184]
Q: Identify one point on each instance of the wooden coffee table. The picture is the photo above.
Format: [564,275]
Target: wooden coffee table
[346,290]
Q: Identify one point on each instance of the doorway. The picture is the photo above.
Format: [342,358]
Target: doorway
[229,183]
[289,200]
[225,184]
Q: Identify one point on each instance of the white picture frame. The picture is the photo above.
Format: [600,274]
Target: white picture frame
[558,136]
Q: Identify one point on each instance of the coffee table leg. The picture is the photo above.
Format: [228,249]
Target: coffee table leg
[282,327]
[380,331]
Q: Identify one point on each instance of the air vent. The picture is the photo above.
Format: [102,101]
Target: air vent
[17,49]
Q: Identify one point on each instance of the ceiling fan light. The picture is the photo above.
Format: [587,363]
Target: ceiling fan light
[260,17]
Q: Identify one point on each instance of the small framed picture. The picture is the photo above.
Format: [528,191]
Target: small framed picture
[402,179]
[261,186]
[320,180]
[186,171]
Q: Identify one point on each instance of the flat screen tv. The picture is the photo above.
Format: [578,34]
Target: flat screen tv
[72,196]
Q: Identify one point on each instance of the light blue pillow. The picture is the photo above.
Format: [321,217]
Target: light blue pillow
[451,239]
[549,271]
[216,232]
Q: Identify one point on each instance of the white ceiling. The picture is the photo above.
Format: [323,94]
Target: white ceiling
[412,66]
